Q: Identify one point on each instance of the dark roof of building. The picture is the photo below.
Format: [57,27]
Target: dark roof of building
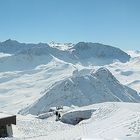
[6,119]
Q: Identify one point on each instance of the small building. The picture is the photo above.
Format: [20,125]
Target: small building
[6,122]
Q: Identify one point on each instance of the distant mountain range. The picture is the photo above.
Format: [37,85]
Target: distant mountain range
[82,52]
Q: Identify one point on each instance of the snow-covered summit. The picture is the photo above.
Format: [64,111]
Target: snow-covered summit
[37,49]
[84,50]
[81,50]
[61,46]
[10,42]
[97,87]
[32,55]
[104,74]
[13,46]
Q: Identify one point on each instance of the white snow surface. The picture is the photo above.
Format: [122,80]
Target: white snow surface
[127,73]
[4,115]
[21,88]
[109,121]
[34,75]
[96,87]
[4,55]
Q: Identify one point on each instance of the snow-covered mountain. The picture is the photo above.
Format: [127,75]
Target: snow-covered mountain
[35,77]
[32,55]
[21,88]
[13,46]
[81,90]
[84,50]
[26,56]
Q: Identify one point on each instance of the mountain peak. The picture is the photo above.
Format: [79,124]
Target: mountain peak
[103,72]
[83,90]
[10,41]
[86,50]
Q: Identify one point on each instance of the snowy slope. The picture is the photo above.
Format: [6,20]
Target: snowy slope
[34,77]
[22,62]
[128,73]
[97,87]
[21,88]
[109,121]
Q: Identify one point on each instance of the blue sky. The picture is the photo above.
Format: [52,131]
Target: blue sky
[113,22]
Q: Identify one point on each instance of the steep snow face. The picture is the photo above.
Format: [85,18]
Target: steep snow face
[83,50]
[124,93]
[97,87]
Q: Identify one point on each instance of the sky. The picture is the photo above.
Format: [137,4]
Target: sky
[112,22]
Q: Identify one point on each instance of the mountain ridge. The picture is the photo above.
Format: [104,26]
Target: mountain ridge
[83,52]
[99,86]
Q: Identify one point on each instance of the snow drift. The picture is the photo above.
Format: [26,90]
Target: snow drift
[74,117]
